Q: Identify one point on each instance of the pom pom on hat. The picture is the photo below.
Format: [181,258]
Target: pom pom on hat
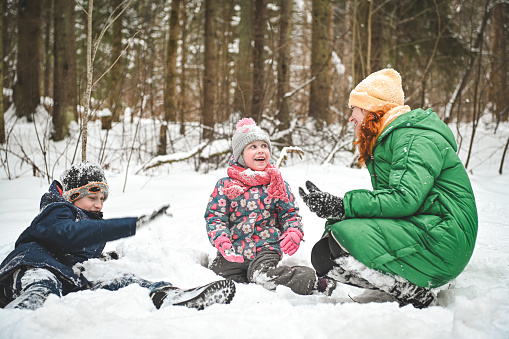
[247,132]
[244,122]
[83,179]
[380,91]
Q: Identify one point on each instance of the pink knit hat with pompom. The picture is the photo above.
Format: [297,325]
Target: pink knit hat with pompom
[246,133]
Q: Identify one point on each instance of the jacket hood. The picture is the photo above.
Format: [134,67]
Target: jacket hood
[423,119]
[53,195]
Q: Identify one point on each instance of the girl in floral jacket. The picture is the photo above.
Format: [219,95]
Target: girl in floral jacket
[252,219]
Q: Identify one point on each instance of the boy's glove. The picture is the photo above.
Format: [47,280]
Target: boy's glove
[111,255]
[224,246]
[290,241]
[145,219]
[324,204]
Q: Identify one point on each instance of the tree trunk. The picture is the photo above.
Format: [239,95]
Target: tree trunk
[26,89]
[476,116]
[283,66]
[9,39]
[170,85]
[48,23]
[117,79]
[2,123]
[225,32]
[498,69]
[210,72]
[182,96]
[64,84]
[319,91]
[503,157]
[358,41]
[473,55]
[90,74]
[170,98]
[244,71]
[376,38]
[259,29]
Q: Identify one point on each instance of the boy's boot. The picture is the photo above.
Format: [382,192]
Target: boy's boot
[218,292]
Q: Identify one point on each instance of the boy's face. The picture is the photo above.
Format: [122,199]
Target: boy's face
[257,155]
[91,202]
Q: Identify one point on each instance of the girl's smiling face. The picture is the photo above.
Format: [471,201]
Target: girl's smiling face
[256,155]
[357,117]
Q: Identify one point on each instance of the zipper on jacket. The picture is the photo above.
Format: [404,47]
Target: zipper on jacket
[373,172]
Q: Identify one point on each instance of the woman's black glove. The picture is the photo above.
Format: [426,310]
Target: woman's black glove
[324,204]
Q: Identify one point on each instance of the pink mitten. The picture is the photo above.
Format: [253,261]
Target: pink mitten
[224,246]
[290,241]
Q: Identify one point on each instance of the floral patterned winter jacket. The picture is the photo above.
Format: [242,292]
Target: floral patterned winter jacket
[253,221]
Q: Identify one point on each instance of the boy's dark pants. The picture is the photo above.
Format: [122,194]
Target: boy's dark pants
[265,271]
[28,288]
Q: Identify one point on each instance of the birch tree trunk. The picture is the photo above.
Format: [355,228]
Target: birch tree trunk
[117,79]
[92,46]
[88,92]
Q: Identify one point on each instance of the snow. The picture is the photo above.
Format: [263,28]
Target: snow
[176,248]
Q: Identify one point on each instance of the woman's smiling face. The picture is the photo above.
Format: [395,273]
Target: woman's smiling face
[256,155]
[357,117]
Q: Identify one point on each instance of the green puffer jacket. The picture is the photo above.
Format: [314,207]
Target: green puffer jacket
[420,220]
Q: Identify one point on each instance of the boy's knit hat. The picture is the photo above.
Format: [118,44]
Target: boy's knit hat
[380,91]
[246,133]
[83,179]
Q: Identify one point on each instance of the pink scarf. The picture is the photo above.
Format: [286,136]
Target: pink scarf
[244,179]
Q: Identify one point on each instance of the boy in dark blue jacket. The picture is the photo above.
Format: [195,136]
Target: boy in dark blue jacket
[69,230]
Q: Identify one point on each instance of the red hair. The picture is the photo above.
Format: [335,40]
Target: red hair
[368,132]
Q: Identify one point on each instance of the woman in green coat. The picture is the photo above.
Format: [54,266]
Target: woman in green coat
[416,229]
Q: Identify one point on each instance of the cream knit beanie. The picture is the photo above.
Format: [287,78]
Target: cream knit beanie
[380,91]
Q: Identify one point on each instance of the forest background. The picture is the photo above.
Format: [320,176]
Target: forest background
[189,69]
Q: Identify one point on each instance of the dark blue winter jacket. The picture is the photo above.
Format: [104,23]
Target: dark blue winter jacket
[61,236]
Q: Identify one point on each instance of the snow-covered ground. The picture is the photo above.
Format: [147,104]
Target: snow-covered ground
[176,249]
